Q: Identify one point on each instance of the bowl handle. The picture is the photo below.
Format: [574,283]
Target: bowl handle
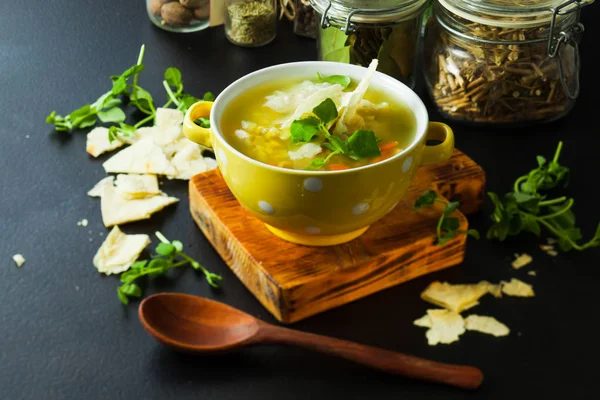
[195,133]
[433,154]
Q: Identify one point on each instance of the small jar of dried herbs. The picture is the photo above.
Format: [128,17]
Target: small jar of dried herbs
[251,23]
[503,61]
[305,23]
[358,31]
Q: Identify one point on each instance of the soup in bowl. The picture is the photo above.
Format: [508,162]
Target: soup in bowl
[318,151]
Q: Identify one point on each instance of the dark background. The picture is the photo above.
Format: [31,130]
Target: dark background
[63,332]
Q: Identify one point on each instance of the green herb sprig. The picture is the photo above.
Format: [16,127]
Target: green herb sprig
[362,143]
[108,109]
[528,208]
[447,227]
[169,255]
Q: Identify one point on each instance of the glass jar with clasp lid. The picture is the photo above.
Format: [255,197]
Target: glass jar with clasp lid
[357,31]
[503,61]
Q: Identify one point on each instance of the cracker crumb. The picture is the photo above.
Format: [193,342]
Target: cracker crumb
[552,241]
[552,253]
[521,261]
[546,247]
[83,222]
[27,136]
[456,297]
[446,327]
[532,273]
[19,260]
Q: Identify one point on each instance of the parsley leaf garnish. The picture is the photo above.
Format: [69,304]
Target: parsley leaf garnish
[528,208]
[169,255]
[363,144]
[447,227]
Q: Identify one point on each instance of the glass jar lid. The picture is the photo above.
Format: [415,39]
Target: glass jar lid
[367,11]
[513,13]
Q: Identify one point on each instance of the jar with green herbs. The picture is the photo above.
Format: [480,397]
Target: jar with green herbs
[503,61]
[179,15]
[358,31]
[251,23]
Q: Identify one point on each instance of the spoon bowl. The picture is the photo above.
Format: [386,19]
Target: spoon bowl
[198,325]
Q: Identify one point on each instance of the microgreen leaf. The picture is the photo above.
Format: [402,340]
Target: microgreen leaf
[131,290]
[173,77]
[473,233]
[450,224]
[303,130]
[363,144]
[114,114]
[426,199]
[165,249]
[326,111]
[337,144]
[208,96]
[451,207]
[203,122]
[335,79]
[317,163]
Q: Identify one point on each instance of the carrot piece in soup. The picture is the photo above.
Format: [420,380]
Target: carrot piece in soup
[387,146]
[337,167]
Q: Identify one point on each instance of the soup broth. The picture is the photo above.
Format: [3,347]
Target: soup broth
[258,124]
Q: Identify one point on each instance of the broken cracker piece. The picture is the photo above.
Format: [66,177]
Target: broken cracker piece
[98,188]
[142,157]
[455,297]
[118,210]
[446,327]
[137,186]
[119,251]
[521,261]
[484,324]
[19,260]
[189,161]
[517,288]
[424,321]
[168,117]
[98,142]
[532,273]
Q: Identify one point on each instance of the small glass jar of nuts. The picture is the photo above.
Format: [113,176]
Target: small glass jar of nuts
[305,23]
[179,15]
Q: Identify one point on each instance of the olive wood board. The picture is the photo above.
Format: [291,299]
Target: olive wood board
[294,281]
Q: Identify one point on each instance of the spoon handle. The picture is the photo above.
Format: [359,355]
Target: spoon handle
[465,377]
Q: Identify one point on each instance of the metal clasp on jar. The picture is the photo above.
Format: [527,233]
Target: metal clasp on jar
[349,26]
[570,36]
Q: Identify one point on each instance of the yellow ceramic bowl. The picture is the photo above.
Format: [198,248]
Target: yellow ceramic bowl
[319,208]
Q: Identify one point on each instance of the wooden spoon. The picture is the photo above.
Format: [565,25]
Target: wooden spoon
[199,325]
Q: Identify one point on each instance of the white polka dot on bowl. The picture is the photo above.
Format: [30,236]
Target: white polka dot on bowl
[222,156]
[312,229]
[266,207]
[407,164]
[313,184]
[360,208]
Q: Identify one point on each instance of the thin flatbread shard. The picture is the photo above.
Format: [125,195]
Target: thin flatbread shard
[97,142]
[119,251]
[484,324]
[517,288]
[117,210]
[455,297]
[98,188]
[137,186]
[424,321]
[521,261]
[446,327]
[142,157]
[168,117]
[189,161]
[352,102]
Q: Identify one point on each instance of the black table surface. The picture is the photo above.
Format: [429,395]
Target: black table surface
[63,332]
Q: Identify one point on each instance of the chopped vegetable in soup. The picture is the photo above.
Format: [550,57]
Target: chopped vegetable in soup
[325,123]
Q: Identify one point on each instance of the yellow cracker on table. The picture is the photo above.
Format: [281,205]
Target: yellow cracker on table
[119,251]
[446,327]
[117,210]
[189,161]
[455,297]
[485,324]
[142,157]
[19,260]
[98,188]
[137,186]
[162,136]
[521,261]
[98,142]
[517,288]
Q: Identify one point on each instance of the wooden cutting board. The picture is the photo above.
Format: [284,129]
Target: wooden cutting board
[294,282]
